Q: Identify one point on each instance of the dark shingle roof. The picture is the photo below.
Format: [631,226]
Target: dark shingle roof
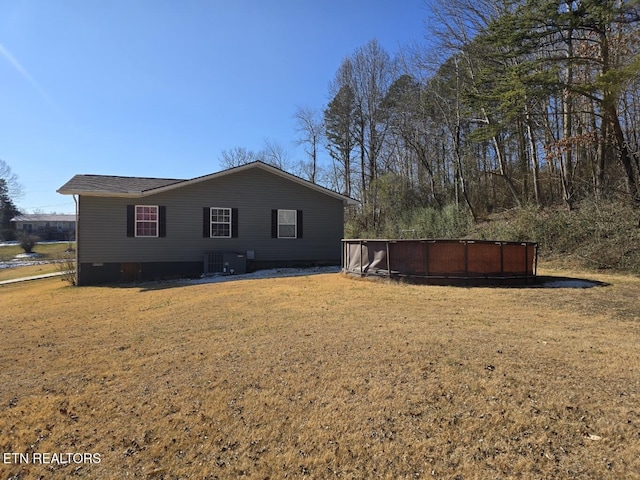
[111,186]
[96,184]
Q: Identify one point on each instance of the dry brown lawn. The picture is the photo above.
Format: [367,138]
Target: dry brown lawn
[28,271]
[47,251]
[323,376]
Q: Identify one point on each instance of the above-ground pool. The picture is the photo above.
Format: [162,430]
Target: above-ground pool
[442,261]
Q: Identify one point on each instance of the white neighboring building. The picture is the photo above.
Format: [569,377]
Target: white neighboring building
[46,226]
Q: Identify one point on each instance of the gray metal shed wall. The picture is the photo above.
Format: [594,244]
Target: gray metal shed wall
[102,234]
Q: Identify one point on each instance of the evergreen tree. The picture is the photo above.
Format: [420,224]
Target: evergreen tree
[339,121]
[7,211]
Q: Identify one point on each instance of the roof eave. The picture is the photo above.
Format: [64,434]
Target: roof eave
[101,194]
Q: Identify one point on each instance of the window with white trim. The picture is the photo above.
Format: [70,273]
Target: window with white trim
[146,221]
[287,223]
[220,222]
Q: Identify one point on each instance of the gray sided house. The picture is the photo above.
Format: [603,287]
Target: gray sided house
[241,219]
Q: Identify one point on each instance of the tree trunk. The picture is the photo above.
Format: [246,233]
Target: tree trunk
[533,154]
[601,154]
[623,153]
[566,162]
[503,170]
[461,177]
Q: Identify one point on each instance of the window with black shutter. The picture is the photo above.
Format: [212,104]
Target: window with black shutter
[146,221]
[286,223]
[219,222]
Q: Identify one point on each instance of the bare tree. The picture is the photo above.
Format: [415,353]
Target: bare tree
[275,154]
[372,75]
[310,128]
[13,186]
[447,96]
[238,156]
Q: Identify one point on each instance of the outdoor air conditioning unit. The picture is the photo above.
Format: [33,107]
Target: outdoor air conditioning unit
[226,263]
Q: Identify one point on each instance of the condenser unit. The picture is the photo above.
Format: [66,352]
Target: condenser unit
[226,263]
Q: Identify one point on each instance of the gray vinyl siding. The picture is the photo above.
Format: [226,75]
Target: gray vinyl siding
[102,232]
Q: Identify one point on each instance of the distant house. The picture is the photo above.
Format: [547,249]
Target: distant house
[244,218]
[46,226]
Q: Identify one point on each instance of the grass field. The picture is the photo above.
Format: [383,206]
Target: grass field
[28,271]
[324,376]
[47,251]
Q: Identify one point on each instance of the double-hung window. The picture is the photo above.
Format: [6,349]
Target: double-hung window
[146,221]
[220,222]
[287,223]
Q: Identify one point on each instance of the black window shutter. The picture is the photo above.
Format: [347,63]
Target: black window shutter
[162,221]
[299,224]
[206,222]
[274,223]
[131,220]
[234,223]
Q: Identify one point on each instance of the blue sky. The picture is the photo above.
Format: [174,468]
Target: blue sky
[160,88]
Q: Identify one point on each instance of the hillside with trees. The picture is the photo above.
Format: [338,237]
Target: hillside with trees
[520,125]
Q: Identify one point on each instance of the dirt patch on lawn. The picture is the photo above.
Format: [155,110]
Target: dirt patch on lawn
[320,376]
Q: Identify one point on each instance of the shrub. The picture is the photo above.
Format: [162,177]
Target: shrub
[27,242]
[416,222]
[448,222]
[67,267]
[8,234]
[607,235]
[596,234]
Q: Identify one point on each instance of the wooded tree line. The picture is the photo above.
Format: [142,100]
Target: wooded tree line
[524,102]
